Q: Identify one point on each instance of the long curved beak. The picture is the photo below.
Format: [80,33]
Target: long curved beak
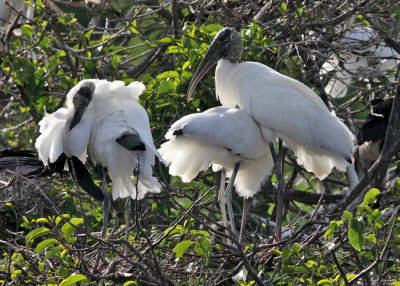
[211,58]
[77,117]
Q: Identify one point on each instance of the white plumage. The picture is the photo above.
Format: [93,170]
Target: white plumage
[221,137]
[287,109]
[283,107]
[113,112]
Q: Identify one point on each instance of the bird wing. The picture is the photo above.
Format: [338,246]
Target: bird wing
[50,142]
[224,126]
[288,108]
[135,115]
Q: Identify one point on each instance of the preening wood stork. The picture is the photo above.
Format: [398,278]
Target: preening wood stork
[107,118]
[283,107]
[223,137]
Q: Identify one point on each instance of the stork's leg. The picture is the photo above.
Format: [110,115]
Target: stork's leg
[246,208]
[128,218]
[106,202]
[106,209]
[352,176]
[281,192]
[228,196]
[222,199]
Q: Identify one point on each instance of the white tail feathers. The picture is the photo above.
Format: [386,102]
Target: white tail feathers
[320,162]
[251,175]
[121,167]
[187,157]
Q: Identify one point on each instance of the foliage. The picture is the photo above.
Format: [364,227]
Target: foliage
[52,236]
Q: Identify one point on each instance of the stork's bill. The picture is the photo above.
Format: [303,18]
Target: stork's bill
[81,100]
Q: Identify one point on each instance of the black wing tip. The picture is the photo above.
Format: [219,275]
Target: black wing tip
[131,142]
[178,132]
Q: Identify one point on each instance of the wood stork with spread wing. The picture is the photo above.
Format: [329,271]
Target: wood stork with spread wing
[223,137]
[283,107]
[107,118]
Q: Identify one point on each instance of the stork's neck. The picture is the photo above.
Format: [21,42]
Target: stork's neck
[226,93]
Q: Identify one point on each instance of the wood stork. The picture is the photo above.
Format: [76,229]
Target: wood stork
[107,118]
[283,107]
[8,12]
[362,58]
[372,133]
[223,137]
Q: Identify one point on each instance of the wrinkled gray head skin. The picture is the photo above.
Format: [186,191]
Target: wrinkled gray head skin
[227,44]
[81,101]
[84,95]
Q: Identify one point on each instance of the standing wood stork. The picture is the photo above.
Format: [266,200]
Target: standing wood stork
[223,137]
[107,118]
[283,107]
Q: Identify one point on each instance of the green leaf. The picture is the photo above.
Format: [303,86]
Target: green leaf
[168,74]
[42,219]
[185,202]
[27,30]
[356,233]
[58,219]
[166,86]
[181,247]
[39,3]
[69,227]
[42,245]
[37,232]
[115,61]
[347,215]
[371,237]
[283,7]
[276,251]
[203,247]
[166,40]
[130,283]
[286,253]
[211,28]
[297,269]
[370,197]
[44,43]
[174,50]
[296,247]
[325,282]
[73,279]
[15,274]
[53,252]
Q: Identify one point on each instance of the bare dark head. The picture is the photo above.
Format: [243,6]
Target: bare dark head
[227,44]
[84,95]
[81,100]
